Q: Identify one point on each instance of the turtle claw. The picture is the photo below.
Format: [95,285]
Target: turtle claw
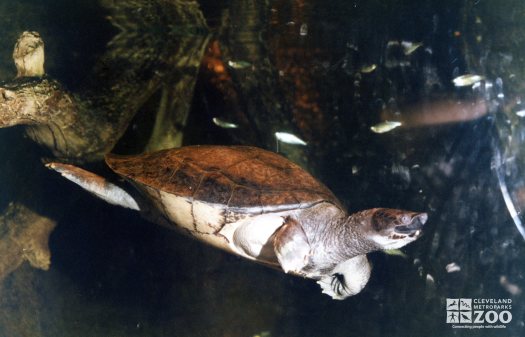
[347,278]
[335,287]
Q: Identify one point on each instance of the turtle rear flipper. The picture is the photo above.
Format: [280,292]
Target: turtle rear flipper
[347,278]
[95,184]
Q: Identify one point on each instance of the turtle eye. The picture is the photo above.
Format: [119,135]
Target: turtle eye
[405,218]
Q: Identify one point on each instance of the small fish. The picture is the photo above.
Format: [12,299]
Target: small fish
[223,124]
[385,126]
[410,47]
[430,280]
[392,43]
[512,288]
[467,80]
[239,64]
[303,31]
[289,138]
[452,267]
[520,113]
[368,69]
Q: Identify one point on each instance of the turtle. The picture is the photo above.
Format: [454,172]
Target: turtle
[258,205]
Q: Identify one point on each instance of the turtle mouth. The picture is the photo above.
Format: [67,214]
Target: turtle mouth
[414,228]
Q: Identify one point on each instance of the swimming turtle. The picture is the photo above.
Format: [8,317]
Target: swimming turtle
[258,205]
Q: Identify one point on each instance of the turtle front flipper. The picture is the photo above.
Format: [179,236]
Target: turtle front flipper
[253,237]
[347,278]
[291,247]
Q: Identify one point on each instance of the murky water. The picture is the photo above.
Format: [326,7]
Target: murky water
[330,74]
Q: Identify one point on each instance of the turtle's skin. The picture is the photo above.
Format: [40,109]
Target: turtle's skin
[259,205]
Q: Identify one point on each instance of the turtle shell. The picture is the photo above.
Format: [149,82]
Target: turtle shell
[243,178]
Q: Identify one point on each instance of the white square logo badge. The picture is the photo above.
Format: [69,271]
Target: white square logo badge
[465,316]
[452,303]
[465,304]
[452,316]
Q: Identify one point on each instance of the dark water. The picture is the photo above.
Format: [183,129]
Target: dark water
[325,71]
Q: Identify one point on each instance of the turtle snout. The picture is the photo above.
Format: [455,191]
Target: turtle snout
[421,219]
[415,225]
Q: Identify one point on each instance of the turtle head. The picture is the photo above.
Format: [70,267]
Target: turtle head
[394,228]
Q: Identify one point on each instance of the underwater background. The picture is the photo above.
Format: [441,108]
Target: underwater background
[332,73]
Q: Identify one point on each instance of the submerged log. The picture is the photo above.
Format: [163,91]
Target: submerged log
[159,43]
[24,236]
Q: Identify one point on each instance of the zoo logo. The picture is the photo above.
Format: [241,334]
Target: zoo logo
[462,311]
